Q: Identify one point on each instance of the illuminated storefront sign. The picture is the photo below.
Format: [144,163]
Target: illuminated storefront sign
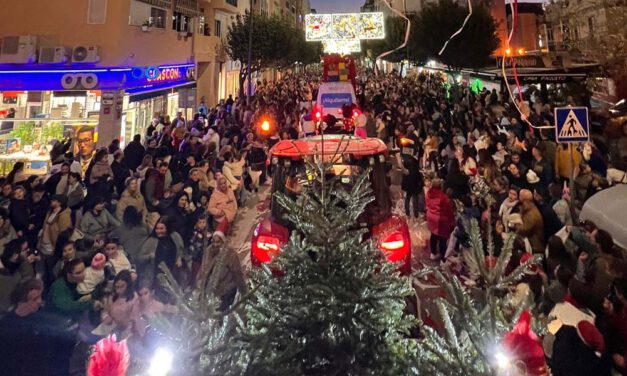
[166,75]
[38,77]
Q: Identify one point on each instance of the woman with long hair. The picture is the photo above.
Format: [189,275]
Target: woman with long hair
[163,246]
[121,310]
[131,197]
[17,173]
[145,166]
[180,216]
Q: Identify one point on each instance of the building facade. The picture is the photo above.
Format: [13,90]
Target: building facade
[110,64]
[590,31]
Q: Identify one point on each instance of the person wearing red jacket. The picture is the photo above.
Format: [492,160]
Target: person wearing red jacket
[440,217]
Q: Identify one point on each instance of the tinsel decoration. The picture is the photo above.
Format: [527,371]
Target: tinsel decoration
[110,358]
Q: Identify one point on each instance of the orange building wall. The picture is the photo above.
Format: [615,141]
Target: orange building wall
[64,23]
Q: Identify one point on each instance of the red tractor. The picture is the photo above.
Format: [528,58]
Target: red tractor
[389,231]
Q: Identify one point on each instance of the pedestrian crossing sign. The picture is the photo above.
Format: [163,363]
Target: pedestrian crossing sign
[571,124]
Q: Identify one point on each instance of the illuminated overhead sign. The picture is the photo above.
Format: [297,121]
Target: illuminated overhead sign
[333,46]
[344,26]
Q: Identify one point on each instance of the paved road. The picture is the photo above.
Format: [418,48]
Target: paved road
[247,218]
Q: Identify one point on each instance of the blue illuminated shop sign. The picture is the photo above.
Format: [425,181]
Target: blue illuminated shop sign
[12,79]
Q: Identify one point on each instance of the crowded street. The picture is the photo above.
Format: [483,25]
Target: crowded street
[331,199]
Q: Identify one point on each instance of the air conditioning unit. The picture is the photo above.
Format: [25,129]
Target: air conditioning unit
[86,54]
[54,55]
[19,50]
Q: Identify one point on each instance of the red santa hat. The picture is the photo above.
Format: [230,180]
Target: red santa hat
[524,346]
[591,336]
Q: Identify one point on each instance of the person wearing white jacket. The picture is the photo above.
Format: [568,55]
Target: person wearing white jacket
[94,275]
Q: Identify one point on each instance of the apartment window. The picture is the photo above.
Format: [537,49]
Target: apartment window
[232,2]
[157,17]
[180,22]
[549,35]
[203,26]
[590,26]
[218,28]
[141,12]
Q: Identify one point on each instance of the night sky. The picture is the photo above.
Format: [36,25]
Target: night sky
[336,6]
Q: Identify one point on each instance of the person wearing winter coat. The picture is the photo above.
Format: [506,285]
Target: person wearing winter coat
[7,232]
[562,161]
[132,234]
[180,217]
[120,172]
[116,259]
[440,218]
[101,167]
[134,153]
[94,275]
[222,204]
[63,297]
[224,276]
[532,226]
[19,211]
[163,245]
[412,184]
[57,220]
[131,197]
[16,266]
[98,220]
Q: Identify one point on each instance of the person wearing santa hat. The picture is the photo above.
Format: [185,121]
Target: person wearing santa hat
[580,351]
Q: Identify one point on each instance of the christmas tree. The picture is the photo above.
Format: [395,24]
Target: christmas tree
[330,304]
[477,319]
[337,306]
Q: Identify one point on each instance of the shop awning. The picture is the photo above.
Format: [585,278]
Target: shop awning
[187,7]
[167,4]
[156,91]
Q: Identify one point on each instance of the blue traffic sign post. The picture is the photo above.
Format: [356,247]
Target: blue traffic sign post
[571,126]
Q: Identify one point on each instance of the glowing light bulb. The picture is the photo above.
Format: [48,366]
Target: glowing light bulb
[508,52]
[161,363]
[265,126]
[502,361]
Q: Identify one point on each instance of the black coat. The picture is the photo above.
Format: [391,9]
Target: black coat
[37,344]
[19,214]
[412,183]
[120,173]
[133,155]
[571,357]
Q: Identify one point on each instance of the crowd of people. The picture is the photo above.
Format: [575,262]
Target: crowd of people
[467,156]
[89,238]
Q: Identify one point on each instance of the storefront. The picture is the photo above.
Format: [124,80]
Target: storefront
[39,103]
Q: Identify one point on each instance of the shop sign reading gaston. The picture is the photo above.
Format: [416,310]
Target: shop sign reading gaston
[154,74]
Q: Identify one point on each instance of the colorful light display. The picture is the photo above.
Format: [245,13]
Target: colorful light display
[344,26]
